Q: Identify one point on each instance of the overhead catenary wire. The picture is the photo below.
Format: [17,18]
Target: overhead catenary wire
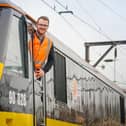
[74,29]
[65,7]
[87,13]
[92,27]
[100,31]
[46,3]
[112,10]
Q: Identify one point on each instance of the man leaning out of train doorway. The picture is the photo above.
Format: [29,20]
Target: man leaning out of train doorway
[42,48]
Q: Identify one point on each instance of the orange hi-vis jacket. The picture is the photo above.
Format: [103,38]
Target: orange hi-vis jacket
[40,50]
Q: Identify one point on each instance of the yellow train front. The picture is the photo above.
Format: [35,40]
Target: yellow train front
[76,94]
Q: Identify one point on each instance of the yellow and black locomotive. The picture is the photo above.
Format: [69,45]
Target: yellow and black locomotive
[76,94]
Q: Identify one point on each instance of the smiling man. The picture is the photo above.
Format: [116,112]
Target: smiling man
[42,48]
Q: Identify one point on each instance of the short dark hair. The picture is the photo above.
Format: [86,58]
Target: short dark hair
[44,18]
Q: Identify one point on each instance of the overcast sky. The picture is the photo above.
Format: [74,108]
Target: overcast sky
[93,21]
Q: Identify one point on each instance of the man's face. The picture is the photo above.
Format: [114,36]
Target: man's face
[42,26]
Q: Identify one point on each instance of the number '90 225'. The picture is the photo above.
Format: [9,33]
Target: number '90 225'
[17,98]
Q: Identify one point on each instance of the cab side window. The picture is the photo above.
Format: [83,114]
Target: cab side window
[60,78]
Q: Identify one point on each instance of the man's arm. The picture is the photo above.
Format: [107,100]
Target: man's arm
[50,60]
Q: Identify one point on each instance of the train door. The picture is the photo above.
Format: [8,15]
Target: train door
[16,88]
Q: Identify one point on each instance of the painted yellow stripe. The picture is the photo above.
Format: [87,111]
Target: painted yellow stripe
[53,122]
[1,69]
[15,119]
[23,119]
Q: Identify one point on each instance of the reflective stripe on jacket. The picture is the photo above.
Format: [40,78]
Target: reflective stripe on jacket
[40,50]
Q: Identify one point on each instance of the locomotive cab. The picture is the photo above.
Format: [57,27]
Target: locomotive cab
[16,76]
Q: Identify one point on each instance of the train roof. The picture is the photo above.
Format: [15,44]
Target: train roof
[66,50]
